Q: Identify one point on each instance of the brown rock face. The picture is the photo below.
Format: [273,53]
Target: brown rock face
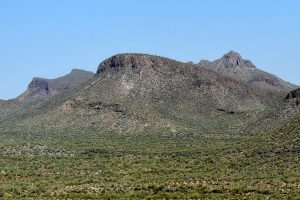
[135,62]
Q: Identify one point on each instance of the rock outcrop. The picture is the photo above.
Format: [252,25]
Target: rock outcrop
[294,94]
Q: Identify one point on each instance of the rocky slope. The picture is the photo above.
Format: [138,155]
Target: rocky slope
[234,66]
[41,88]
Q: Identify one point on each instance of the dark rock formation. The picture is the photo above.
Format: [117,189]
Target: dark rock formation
[294,94]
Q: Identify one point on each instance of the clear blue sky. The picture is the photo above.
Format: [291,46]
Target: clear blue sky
[47,38]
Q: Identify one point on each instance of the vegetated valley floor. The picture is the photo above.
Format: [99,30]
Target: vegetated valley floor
[91,165]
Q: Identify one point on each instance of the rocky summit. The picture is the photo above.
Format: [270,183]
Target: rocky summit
[233,65]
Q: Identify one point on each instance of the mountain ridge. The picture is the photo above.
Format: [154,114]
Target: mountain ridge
[133,92]
[41,88]
[134,83]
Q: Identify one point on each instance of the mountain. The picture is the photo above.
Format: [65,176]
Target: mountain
[233,65]
[41,88]
[137,92]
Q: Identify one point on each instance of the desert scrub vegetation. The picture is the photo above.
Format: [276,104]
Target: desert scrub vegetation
[154,165]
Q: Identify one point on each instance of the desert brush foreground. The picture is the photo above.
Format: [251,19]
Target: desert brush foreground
[148,127]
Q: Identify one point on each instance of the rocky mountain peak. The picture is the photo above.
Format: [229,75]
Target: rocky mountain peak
[233,65]
[232,55]
[233,59]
